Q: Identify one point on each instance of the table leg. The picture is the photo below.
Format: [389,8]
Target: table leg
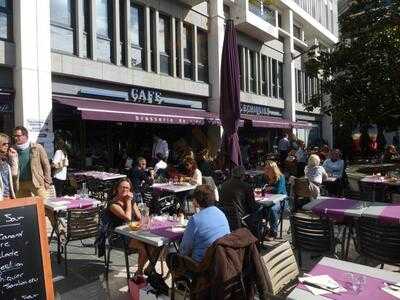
[126,250]
[343,242]
[346,254]
[153,258]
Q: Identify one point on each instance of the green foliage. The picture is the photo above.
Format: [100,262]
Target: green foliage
[362,73]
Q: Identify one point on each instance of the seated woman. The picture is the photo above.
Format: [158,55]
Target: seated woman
[123,209]
[315,173]
[193,174]
[277,185]
[200,233]
[334,167]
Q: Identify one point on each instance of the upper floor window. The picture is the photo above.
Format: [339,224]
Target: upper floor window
[274,79]
[297,32]
[164,38]
[104,30]
[136,28]
[252,72]
[6,19]
[187,41]
[202,53]
[280,81]
[264,68]
[62,25]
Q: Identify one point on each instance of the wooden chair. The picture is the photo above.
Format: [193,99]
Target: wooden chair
[311,233]
[81,224]
[281,267]
[301,192]
[378,241]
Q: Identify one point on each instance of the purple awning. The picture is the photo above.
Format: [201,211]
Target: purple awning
[117,111]
[266,122]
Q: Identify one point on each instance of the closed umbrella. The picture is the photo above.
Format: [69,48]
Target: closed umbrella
[230,97]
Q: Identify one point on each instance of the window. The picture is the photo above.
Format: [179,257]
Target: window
[6,19]
[280,81]
[264,68]
[279,20]
[306,88]
[152,35]
[202,53]
[85,51]
[136,28]
[164,38]
[62,25]
[241,76]
[297,32]
[252,72]
[104,30]
[122,37]
[178,49]
[326,15]
[274,79]
[187,41]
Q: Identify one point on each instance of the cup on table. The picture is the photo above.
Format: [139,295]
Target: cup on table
[355,282]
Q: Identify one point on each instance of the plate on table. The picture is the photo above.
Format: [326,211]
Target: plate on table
[182,184]
[134,225]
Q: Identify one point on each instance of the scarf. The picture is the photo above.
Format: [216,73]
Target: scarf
[23,146]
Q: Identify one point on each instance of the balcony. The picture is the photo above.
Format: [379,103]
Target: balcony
[255,19]
[191,3]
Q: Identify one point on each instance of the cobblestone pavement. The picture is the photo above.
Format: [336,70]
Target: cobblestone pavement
[86,279]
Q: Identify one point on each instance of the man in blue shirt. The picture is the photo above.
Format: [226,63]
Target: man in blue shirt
[205,227]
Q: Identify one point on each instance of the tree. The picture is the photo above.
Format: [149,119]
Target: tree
[361,74]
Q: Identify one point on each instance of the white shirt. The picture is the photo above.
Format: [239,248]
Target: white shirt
[197,178]
[301,155]
[59,157]
[316,174]
[160,147]
[284,144]
[334,167]
[161,165]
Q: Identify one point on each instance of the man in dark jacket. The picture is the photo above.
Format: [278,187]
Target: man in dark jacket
[237,198]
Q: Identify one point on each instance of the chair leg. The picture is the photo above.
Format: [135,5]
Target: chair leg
[65,260]
[107,257]
[172,287]
[299,258]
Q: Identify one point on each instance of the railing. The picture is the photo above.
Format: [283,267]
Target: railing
[262,11]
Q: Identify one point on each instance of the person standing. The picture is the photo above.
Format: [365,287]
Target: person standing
[8,168]
[283,148]
[301,158]
[34,168]
[159,146]
[60,163]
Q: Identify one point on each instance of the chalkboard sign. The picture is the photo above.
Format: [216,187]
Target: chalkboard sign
[25,270]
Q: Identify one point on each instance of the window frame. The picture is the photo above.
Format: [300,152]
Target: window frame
[141,46]
[188,61]
[167,40]
[64,26]
[201,65]
[109,38]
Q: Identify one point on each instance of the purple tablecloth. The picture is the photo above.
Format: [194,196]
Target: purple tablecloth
[75,202]
[370,291]
[391,214]
[163,228]
[334,208]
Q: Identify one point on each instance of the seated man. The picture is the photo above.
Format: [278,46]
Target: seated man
[205,227]
[237,192]
[139,177]
[334,167]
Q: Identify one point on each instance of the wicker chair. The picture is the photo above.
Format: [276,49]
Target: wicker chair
[378,241]
[81,224]
[301,193]
[281,266]
[311,233]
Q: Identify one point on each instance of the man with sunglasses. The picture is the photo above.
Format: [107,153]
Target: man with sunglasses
[8,168]
[34,168]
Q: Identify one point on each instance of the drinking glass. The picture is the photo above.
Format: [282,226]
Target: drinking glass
[354,282]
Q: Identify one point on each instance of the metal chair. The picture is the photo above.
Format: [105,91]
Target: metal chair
[81,224]
[312,233]
[378,241]
[281,267]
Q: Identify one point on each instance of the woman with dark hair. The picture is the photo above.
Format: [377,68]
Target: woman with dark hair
[193,174]
[200,233]
[123,209]
[60,163]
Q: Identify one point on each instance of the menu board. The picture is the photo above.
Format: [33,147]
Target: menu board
[25,270]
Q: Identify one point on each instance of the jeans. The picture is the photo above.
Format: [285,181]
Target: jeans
[275,214]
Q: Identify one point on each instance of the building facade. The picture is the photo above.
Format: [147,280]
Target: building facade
[95,66]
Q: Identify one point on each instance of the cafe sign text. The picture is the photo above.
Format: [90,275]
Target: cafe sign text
[140,95]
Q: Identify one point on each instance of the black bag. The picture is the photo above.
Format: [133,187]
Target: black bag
[158,284]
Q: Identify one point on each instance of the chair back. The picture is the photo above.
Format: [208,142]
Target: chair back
[82,223]
[301,188]
[379,241]
[312,233]
[51,193]
[373,192]
[281,267]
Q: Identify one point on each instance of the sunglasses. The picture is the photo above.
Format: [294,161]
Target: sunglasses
[5,144]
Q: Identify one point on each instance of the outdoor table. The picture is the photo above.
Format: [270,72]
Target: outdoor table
[337,269]
[103,176]
[173,187]
[160,234]
[385,212]
[269,200]
[390,183]
[56,206]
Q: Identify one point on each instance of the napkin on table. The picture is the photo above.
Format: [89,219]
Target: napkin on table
[324,280]
[392,292]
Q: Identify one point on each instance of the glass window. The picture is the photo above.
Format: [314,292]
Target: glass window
[85,51]
[187,40]
[299,87]
[241,68]
[137,36]
[164,39]
[280,81]
[202,52]
[62,26]
[297,32]
[104,30]
[274,79]
[264,66]
[306,88]
[252,72]
[178,48]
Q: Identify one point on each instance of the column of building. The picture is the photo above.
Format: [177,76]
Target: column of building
[32,73]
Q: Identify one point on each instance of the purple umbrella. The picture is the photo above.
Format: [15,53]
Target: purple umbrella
[230,97]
